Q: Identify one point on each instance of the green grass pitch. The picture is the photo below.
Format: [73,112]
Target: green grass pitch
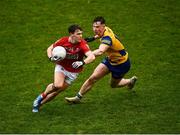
[150,31]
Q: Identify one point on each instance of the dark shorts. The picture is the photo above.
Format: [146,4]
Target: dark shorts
[117,71]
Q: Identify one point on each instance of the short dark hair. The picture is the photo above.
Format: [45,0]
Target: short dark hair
[99,19]
[73,28]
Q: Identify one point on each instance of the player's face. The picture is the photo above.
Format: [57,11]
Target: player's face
[77,36]
[98,28]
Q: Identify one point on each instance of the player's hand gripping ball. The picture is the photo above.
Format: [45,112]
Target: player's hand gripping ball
[58,53]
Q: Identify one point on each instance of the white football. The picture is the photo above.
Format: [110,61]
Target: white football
[59,53]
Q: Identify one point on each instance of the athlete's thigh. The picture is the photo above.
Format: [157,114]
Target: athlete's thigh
[59,80]
[59,77]
[100,71]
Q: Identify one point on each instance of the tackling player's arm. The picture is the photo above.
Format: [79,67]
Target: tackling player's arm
[90,57]
[102,48]
[90,39]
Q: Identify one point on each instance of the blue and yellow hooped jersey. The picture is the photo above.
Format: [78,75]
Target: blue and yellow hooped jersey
[116,53]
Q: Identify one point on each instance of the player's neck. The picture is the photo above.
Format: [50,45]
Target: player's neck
[71,40]
[102,33]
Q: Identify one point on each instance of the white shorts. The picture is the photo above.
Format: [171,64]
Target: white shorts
[69,76]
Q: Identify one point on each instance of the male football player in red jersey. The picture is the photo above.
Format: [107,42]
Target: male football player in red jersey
[66,70]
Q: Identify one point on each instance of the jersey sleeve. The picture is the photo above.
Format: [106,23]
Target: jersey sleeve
[84,46]
[58,42]
[106,40]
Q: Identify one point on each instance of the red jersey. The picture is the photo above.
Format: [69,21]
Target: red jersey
[74,52]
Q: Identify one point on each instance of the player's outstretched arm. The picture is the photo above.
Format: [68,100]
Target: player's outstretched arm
[90,58]
[90,39]
[102,48]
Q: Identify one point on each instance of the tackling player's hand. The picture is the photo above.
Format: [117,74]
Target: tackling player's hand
[90,39]
[77,64]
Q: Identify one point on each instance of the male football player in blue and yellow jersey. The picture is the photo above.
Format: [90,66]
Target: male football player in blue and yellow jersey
[116,62]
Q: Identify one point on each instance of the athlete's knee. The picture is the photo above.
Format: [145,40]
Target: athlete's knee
[54,94]
[57,87]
